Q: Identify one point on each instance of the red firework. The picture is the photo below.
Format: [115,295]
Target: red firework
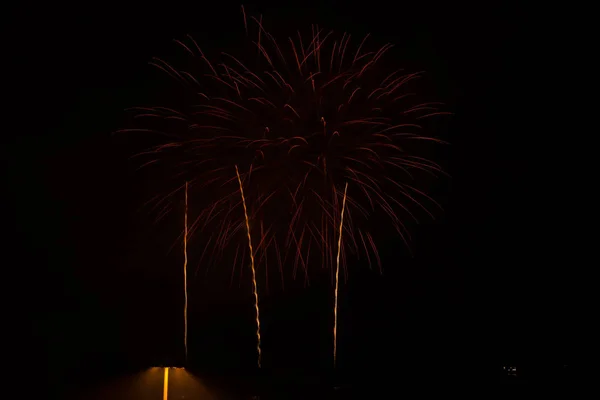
[301,119]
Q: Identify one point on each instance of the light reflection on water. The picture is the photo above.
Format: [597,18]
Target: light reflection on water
[182,384]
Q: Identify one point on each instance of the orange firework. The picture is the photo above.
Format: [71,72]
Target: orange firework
[337,277]
[254,289]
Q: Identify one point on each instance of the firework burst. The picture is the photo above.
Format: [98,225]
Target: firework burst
[302,116]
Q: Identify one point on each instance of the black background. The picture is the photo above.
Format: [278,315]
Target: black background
[492,279]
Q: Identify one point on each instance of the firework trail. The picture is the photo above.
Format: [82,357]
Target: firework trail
[337,278]
[254,289]
[185,263]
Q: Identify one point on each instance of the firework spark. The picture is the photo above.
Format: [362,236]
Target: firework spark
[254,289]
[337,278]
[185,285]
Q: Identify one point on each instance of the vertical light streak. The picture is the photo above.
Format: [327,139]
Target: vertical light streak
[166,385]
[185,263]
[337,279]
[254,290]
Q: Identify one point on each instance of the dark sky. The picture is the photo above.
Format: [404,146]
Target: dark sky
[489,283]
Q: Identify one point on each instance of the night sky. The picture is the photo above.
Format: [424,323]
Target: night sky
[490,282]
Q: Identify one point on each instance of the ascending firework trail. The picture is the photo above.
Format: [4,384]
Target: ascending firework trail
[254,289]
[185,286]
[337,278]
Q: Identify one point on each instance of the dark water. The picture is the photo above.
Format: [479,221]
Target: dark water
[148,384]
[183,384]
